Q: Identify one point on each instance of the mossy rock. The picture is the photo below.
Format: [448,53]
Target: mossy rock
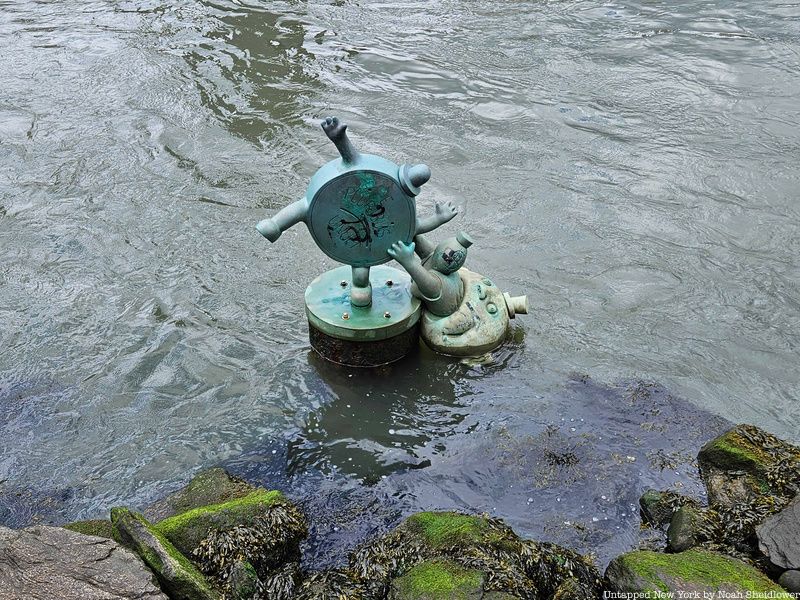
[691,571]
[96,527]
[188,529]
[514,566]
[443,529]
[438,580]
[178,577]
[745,462]
[212,486]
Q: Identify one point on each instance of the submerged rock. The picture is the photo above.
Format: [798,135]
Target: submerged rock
[212,486]
[691,571]
[658,507]
[43,563]
[779,537]
[746,462]
[684,529]
[178,577]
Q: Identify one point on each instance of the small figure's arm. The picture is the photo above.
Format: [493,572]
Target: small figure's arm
[337,133]
[273,227]
[430,286]
[443,212]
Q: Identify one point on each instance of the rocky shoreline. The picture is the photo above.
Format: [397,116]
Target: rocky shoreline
[220,538]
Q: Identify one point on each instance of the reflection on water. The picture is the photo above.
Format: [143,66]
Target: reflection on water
[377,421]
[632,167]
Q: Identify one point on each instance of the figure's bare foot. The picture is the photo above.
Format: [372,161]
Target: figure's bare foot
[445,211]
[334,129]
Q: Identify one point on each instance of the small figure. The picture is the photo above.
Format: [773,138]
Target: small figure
[435,271]
[462,315]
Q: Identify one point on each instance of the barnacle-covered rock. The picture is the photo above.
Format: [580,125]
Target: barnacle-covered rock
[177,576]
[438,580]
[746,462]
[691,571]
[523,568]
[657,507]
[211,486]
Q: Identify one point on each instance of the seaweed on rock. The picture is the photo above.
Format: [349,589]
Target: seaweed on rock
[266,544]
[526,569]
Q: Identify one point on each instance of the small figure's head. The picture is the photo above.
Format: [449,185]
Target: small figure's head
[451,254]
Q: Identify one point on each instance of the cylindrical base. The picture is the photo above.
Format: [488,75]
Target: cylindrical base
[344,332]
[363,354]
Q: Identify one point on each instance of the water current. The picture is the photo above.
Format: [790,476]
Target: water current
[631,166]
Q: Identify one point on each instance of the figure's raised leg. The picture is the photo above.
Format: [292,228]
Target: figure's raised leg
[337,133]
[361,290]
[273,227]
[443,212]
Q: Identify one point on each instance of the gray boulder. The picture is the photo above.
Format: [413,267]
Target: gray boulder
[43,563]
[779,536]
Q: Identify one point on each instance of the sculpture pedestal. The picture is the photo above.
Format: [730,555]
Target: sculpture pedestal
[378,334]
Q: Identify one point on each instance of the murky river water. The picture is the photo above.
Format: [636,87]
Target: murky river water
[632,166]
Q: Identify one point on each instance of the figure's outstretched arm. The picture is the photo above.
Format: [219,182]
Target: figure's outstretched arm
[443,212]
[337,133]
[430,286]
[273,227]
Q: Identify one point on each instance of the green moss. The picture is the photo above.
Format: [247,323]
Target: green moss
[99,528]
[448,528]
[739,450]
[697,566]
[439,579]
[174,524]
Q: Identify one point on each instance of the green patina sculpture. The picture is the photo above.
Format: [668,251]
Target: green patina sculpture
[361,211]
[465,313]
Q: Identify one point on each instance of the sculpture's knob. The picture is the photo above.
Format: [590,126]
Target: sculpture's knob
[516,304]
[414,177]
